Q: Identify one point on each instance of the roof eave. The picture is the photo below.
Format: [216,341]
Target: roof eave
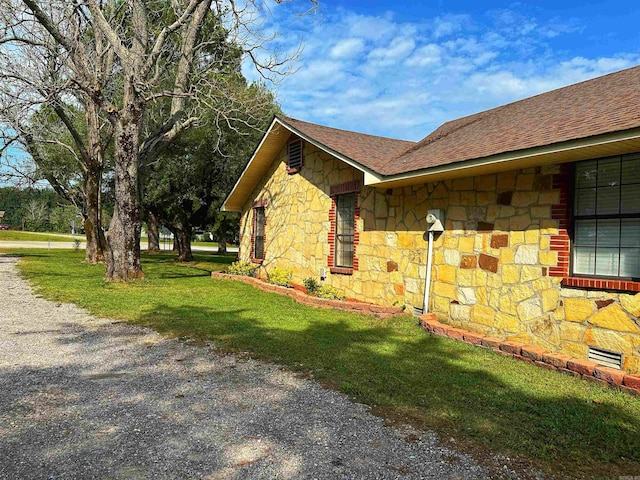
[616,143]
[258,164]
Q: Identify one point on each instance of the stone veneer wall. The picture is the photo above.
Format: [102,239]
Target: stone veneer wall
[494,266]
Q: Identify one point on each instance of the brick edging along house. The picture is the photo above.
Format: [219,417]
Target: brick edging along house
[541,240]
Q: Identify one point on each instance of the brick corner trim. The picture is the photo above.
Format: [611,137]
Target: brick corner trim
[298,294]
[585,369]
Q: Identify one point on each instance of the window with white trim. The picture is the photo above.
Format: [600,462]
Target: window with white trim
[606,218]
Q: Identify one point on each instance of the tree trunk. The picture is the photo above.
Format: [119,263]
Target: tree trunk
[96,242]
[153,237]
[123,239]
[222,240]
[183,239]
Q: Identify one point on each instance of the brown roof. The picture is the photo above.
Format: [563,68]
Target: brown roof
[368,150]
[605,104]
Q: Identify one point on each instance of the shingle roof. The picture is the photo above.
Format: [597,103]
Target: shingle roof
[368,150]
[602,105]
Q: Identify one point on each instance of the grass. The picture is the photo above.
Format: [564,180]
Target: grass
[486,402]
[19,236]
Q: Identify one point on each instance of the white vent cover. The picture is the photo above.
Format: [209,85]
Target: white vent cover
[605,358]
[417,312]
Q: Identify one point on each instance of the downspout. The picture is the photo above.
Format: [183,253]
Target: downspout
[427,285]
[435,219]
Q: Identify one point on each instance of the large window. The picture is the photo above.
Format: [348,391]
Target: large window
[607,217]
[345,220]
[258,233]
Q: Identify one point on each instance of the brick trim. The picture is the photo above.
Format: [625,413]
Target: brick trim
[260,203]
[601,284]
[581,368]
[561,213]
[335,190]
[343,188]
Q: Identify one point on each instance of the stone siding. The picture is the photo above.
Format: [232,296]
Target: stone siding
[495,265]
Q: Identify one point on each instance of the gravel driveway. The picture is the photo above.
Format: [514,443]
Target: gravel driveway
[84,397]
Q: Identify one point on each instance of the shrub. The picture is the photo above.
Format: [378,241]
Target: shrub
[280,276]
[327,291]
[312,285]
[245,269]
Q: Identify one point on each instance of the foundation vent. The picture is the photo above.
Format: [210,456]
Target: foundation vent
[417,312]
[605,358]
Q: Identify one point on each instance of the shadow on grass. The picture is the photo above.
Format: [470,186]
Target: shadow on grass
[434,383]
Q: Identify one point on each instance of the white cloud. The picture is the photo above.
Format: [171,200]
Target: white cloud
[346,48]
[382,76]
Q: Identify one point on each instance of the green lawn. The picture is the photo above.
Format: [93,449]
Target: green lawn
[18,236]
[486,402]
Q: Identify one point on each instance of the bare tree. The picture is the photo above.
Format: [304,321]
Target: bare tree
[160,53]
[37,78]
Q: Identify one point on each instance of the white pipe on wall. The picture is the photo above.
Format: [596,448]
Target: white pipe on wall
[427,283]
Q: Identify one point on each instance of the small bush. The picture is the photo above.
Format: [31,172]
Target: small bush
[312,285]
[327,291]
[280,276]
[245,269]
[76,244]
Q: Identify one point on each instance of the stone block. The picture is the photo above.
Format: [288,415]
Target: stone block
[631,303]
[465,277]
[460,312]
[572,332]
[485,183]
[558,360]
[529,309]
[406,240]
[452,257]
[465,244]
[520,292]
[520,222]
[578,309]
[532,235]
[524,199]
[492,342]
[632,381]
[445,290]
[485,227]
[533,353]
[524,181]
[504,198]
[473,338]
[610,340]
[457,213]
[574,349]
[540,211]
[465,183]
[549,258]
[500,241]
[530,273]
[527,255]
[513,348]
[614,317]
[549,197]
[392,267]
[609,375]
[447,274]
[468,261]
[549,299]
[467,296]
[506,256]
[456,333]
[506,180]
[583,367]
[506,322]
[489,263]
[483,315]
[479,278]
[516,238]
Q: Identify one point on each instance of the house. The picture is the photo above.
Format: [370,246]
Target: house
[538,201]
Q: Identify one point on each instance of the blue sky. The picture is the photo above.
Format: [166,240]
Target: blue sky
[402,68]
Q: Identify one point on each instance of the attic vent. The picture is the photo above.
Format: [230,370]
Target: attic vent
[605,358]
[417,312]
[294,153]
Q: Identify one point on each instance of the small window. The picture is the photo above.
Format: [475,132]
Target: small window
[345,228]
[606,217]
[294,156]
[258,233]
